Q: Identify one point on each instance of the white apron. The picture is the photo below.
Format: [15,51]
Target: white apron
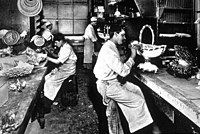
[131,101]
[88,51]
[90,37]
[55,78]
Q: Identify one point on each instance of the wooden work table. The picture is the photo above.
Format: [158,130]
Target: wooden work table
[21,105]
[180,94]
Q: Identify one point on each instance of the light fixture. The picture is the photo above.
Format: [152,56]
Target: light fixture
[117,13]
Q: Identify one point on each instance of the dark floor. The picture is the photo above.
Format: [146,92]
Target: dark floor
[88,117]
[79,119]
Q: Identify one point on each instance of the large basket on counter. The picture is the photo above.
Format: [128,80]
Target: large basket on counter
[150,50]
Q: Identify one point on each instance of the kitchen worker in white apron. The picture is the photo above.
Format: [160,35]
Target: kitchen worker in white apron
[67,66]
[128,96]
[89,42]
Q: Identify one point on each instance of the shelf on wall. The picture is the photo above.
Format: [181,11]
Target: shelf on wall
[178,8]
[178,23]
[181,35]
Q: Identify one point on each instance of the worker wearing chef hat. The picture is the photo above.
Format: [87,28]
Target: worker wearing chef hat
[47,35]
[93,19]
[48,23]
[89,43]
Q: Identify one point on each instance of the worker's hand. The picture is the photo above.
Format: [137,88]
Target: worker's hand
[134,46]
[47,51]
[133,53]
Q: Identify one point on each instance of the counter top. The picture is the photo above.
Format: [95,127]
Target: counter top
[182,94]
[13,112]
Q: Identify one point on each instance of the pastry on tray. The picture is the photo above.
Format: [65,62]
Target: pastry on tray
[21,69]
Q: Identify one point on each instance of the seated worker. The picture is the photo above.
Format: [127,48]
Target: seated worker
[67,66]
[128,96]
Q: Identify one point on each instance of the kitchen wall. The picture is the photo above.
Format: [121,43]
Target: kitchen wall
[69,17]
[11,18]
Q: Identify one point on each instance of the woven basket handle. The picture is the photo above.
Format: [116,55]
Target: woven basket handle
[141,32]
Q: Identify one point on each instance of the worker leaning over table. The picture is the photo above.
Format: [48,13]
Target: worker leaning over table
[128,96]
[67,66]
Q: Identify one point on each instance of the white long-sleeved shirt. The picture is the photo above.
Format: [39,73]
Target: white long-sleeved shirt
[90,33]
[108,65]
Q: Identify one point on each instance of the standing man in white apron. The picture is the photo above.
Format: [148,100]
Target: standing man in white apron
[128,96]
[90,40]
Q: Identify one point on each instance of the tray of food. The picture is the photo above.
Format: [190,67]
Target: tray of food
[21,69]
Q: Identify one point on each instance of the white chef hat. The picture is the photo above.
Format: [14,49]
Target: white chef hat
[93,19]
[48,23]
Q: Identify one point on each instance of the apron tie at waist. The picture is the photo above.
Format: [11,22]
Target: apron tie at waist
[102,87]
[72,62]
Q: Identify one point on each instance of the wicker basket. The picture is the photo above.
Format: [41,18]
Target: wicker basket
[150,50]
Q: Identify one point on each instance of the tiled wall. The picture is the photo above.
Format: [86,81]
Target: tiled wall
[68,16]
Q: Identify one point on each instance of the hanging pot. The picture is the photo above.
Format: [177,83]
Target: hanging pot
[11,37]
[30,8]
[38,40]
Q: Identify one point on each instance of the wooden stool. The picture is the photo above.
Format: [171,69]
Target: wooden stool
[69,91]
[114,122]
